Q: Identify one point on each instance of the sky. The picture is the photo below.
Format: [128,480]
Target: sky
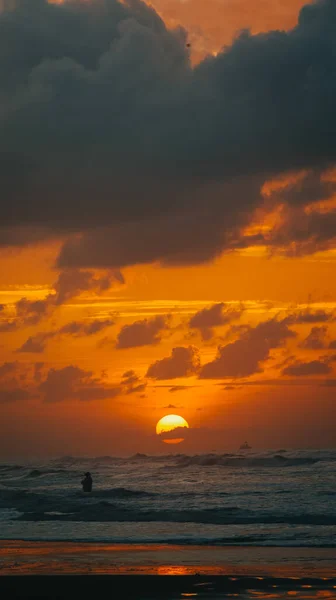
[168,225]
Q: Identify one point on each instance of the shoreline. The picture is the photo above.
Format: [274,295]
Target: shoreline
[65,570]
[60,558]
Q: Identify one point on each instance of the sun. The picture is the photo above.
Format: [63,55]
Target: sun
[168,424]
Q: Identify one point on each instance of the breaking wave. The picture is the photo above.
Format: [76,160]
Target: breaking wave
[231,460]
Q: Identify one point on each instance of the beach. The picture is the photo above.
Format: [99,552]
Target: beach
[58,569]
[207,526]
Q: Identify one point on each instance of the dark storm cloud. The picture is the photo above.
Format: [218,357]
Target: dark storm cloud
[183,362]
[214,316]
[142,333]
[245,356]
[301,233]
[313,367]
[106,130]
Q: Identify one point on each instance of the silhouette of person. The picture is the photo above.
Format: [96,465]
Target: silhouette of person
[87,483]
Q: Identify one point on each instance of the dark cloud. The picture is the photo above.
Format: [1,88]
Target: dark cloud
[176,433]
[214,316]
[108,136]
[183,362]
[329,383]
[12,388]
[69,284]
[300,233]
[131,383]
[30,312]
[130,377]
[180,388]
[19,381]
[71,382]
[78,328]
[316,340]
[332,345]
[313,367]
[7,325]
[244,356]
[36,343]
[310,316]
[38,371]
[142,333]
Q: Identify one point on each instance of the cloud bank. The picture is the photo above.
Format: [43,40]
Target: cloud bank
[110,139]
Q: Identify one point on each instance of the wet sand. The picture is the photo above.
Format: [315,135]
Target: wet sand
[65,569]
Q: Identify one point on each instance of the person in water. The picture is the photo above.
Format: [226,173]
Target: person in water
[87,483]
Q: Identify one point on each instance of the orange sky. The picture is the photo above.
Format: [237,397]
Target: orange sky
[100,410]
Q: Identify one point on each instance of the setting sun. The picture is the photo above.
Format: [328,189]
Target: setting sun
[170,423]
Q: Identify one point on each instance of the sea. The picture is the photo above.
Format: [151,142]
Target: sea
[276,498]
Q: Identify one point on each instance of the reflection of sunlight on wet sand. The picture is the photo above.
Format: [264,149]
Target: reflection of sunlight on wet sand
[173,570]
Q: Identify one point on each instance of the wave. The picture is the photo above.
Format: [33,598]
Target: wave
[231,460]
[105,511]
[120,493]
[11,467]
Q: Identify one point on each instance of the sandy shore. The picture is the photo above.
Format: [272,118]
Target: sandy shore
[29,558]
[142,572]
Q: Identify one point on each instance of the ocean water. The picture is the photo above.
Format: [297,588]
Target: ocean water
[272,498]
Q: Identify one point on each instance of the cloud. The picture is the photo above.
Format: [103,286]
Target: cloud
[329,383]
[314,367]
[20,381]
[316,340]
[38,342]
[244,356]
[72,282]
[132,384]
[180,388]
[107,120]
[35,344]
[183,362]
[69,284]
[142,333]
[301,233]
[310,316]
[214,316]
[7,325]
[31,312]
[12,383]
[85,328]
[71,382]
[332,345]
[176,433]
[306,215]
